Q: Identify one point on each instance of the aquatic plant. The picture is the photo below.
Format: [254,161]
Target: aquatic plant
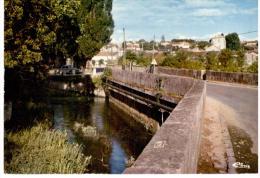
[41,150]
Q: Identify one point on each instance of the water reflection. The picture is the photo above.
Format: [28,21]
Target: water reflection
[110,136]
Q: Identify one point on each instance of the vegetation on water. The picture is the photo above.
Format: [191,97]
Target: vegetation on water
[42,150]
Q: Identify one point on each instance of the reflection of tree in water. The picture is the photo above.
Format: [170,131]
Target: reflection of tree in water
[242,145]
[96,144]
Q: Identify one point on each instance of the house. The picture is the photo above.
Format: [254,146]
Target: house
[133,46]
[108,54]
[251,57]
[217,42]
[181,44]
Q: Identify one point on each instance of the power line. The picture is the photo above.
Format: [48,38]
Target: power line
[248,32]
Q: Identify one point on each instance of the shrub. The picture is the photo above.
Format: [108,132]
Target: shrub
[40,150]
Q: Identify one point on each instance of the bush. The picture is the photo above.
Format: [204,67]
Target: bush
[253,68]
[40,150]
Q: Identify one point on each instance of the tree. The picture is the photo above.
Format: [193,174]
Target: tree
[130,56]
[232,41]
[212,61]
[31,28]
[203,44]
[39,32]
[253,68]
[224,57]
[96,26]
[240,58]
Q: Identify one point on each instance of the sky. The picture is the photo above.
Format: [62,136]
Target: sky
[195,19]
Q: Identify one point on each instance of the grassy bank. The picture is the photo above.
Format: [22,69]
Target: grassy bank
[41,150]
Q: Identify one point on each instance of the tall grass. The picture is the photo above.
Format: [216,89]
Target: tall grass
[40,150]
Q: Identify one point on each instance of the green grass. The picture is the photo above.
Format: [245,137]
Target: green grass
[41,150]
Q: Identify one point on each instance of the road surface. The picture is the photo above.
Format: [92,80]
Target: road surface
[244,102]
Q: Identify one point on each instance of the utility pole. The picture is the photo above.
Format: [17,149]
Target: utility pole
[153,45]
[124,60]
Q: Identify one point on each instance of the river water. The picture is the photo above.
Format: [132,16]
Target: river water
[106,133]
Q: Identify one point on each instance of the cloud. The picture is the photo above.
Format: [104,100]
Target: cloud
[207,3]
[208,12]
[248,11]
[191,18]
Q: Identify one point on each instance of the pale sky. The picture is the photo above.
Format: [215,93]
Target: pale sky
[196,19]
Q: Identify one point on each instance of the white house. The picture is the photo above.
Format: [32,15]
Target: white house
[107,54]
[181,44]
[133,46]
[251,57]
[217,42]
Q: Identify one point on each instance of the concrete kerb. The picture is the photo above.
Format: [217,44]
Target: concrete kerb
[228,146]
[174,148]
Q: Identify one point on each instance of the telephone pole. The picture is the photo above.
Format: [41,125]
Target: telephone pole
[153,45]
[124,60]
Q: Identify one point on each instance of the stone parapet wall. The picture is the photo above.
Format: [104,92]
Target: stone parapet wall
[174,85]
[181,72]
[231,77]
[243,78]
[175,146]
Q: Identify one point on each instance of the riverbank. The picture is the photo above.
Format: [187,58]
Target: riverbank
[41,150]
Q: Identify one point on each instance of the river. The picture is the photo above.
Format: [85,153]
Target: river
[106,133]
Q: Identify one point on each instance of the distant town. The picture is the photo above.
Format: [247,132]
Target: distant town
[111,53]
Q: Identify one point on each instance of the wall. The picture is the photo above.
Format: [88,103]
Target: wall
[243,78]
[171,85]
[175,146]
[181,72]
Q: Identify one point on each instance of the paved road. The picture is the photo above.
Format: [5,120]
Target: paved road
[244,101]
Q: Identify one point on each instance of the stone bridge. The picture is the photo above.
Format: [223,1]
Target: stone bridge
[177,103]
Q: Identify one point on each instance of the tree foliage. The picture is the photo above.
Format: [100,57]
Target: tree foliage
[253,68]
[38,34]
[36,30]
[96,26]
[232,41]
[203,44]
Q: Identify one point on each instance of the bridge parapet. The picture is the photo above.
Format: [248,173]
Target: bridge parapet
[174,86]
[175,146]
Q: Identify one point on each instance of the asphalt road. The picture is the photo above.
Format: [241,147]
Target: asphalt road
[244,101]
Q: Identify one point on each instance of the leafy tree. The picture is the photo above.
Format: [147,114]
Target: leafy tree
[143,60]
[130,56]
[40,32]
[240,58]
[170,61]
[203,44]
[193,64]
[253,68]
[178,61]
[224,57]
[232,41]
[96,26]
[212,61]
